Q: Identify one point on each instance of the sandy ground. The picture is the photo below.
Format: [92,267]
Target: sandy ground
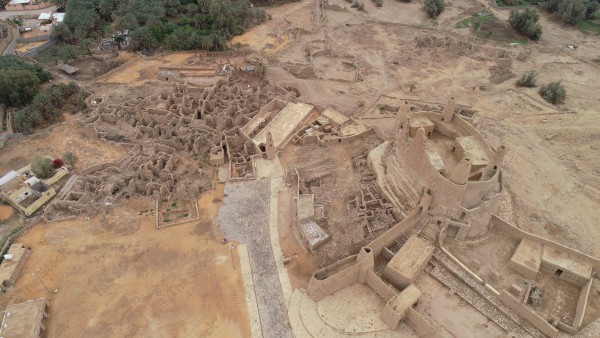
[451,312]
[6,212]
[121,277]
[54,142]
[196,67]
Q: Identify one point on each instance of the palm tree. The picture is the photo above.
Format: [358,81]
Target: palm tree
[206,42]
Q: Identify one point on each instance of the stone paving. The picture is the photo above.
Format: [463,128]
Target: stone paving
[244,217]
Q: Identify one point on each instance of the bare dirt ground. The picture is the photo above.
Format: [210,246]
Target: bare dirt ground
[6,212]
[121,277]
[57,140]
[453,313]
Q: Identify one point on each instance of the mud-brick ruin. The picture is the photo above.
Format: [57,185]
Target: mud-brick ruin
[170,136]
[445,180]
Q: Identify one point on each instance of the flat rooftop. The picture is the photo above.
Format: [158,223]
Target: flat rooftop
[411,257]
[335,116]
[284,124]
[8,266]
[421,121]
[306,207]
[255,122]
[566,262]
[313,234]
[472,150]
[528,254]
[24,320]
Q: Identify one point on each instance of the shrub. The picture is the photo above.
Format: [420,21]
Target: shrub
[69,158]
[434,7]
[42,167]
[526,23]
[261,69]
[529,79]
[553,92]
[379,3]
[358,5]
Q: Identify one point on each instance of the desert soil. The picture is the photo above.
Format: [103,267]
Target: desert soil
[118,276]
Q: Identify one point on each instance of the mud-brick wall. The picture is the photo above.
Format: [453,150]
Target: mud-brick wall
[421,326]
[321,288]
[537,321]
[379,286]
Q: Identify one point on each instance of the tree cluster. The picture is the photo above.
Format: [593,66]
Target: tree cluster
[173,24]
[526,23]
[572,11]
[19,81]
[46,105]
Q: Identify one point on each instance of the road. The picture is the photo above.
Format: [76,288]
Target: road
[7,14]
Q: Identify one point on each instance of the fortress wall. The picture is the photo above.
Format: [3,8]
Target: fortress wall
[479,218]
[530,315]
[446,195]
[516,233]
[390,235]
[98,167]
[460,126]
[582,304]
[476,190]
[330,281]
[381,288]
[421,326]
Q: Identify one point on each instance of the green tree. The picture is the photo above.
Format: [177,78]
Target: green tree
[42,168]
[526,23]
[571,11]
[12,62]
[206,42]
[17,87]
[143,11]
[106,8]
[591,7]
[87,44]
[228,15]
[183,38]
[434,7]
[67,52]
[143,39]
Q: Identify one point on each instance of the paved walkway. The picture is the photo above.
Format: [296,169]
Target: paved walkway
[249,291]
[245,217]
